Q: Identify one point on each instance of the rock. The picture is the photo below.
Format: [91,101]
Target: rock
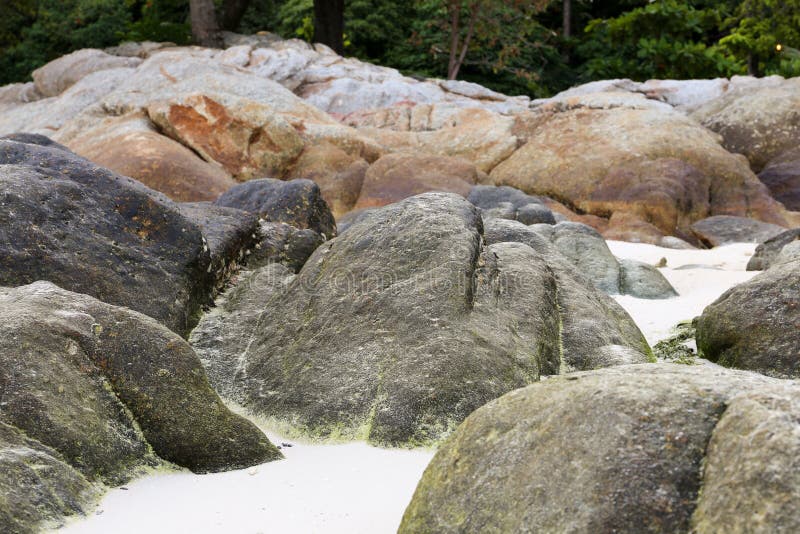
[230,233]
[760,121]
[131,146]
[348,219]
[756,325]
[435,322]
[102,384]
[509,203]
[669,241]
[782,177]
[623,449]
[298,203]
[37,485]
[397,176]
[91,231]
[338,174]
[767,251]
[725,229]
[790,252]
[623,226]
[644,281]
[62,73]
[665,169]
[282,243]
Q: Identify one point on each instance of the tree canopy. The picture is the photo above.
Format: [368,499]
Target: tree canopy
[534,47]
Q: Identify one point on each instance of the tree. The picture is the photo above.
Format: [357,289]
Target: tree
[329,24]
[205,28]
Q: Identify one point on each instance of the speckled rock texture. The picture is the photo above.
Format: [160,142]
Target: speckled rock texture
[298,203]
[726,229]
[398,329]
[756,325]
[767,251]
[643,448]
[65,220]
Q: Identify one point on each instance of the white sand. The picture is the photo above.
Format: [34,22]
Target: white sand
[356,488]
[716,271]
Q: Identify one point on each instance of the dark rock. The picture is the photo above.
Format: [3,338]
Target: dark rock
[644,281]
[285,244]
[102,384]
[725,229]
[37,486]
[767,251]
[756,325]
[91,231]
[230,234]
[506,202]
[623,449]
[782,178]
[346,220]
[400,327]
[298,203]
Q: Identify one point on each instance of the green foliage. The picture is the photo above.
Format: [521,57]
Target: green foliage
[663,39]
[756,29]
[159,20]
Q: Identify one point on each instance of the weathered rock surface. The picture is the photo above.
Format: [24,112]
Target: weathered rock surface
[37,486]
[643,281]
[102,384]
[62,73]
[298,203]
[130,145]
[401,326]
[760,120]
[756,325]
[666,169]
[725,229]
[282,243]
[624,449]
[509,203]
[395,177]
[782,177]
[767,251]
[91,231]
[229,233]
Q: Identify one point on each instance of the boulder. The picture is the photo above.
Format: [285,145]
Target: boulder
[338,174]
[91,231]
[102,384]
[665,169]
[509,203]
[298,203]
[401,175]
[725,229]
[59,75]
[756,325]
[767,251]
[782,177]
[230,234]
[37,486]
[759,120]
[283,243]
[643,281]
[400,327]
[640,448]
[578,248]
[130,145]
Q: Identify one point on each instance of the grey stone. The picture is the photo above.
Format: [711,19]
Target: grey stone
[622,449]
[725,229]
[644,281]
[767,251]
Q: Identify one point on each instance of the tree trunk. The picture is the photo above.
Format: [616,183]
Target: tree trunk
[752,65]
[455,30]
[567,25]
[329,24]
[233,11]
[205,29]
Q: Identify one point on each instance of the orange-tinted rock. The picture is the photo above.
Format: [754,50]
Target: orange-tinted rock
[397,176]
[130,146]
[651,162]
[623,226]
[338,175]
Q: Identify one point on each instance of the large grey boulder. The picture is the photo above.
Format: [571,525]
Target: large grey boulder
[767,251]
[756,325]
[506,202]
[643,448]
[400,327]
[91,231]
[643,281]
